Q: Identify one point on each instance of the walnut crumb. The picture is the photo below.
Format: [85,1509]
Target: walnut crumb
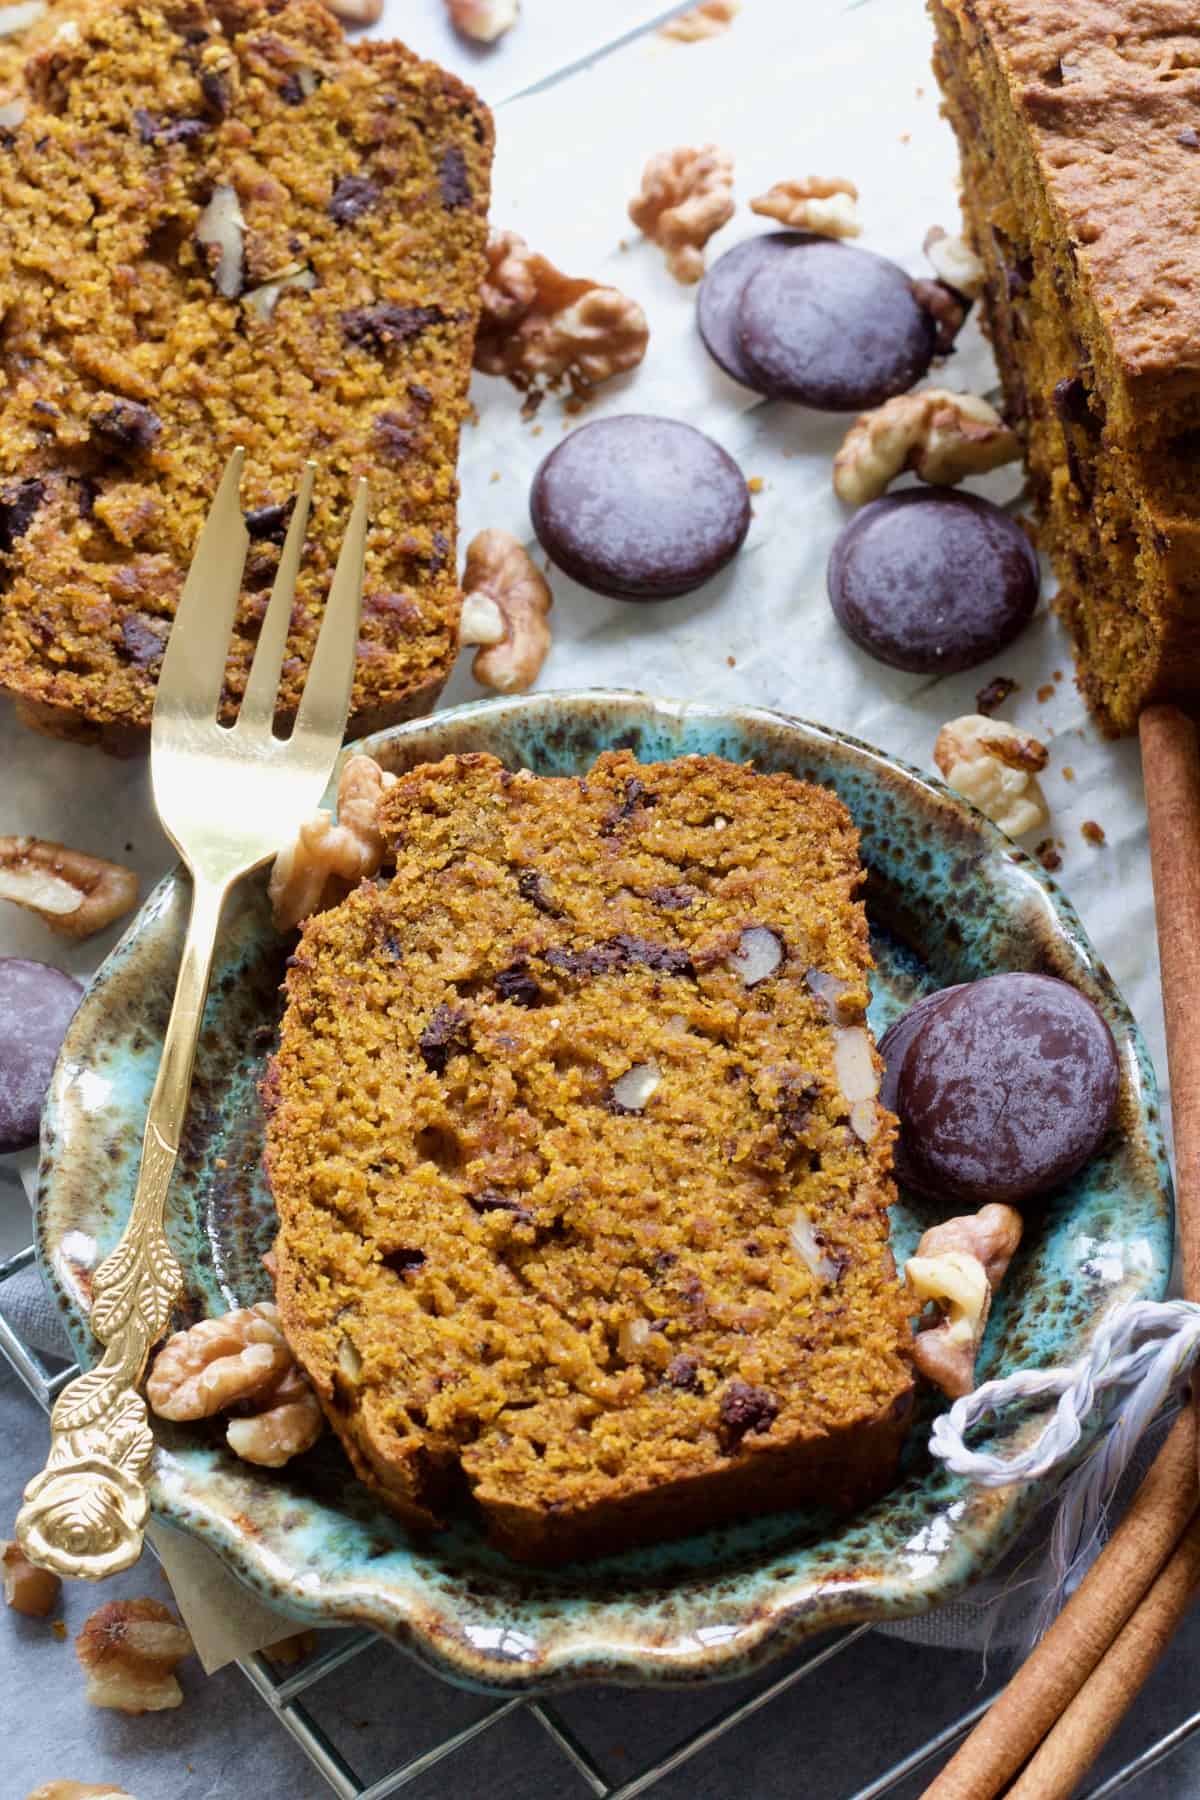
[330,856]
[941,436]
[129,1650]
[540,328]
[707,20]
[483,20]
[958,1267]
[28,1590]
[506,605]
[1047,854]
[826,205]
[686,196]
[995,766]
[76,894]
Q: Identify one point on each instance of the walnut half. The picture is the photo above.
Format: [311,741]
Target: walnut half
[686,196]
[540,328]
[941,436]
[242,1361]
[996,767]
[76,894]
[827,205]
[330,856]
[958,1267]
[506,603]
[129,1650]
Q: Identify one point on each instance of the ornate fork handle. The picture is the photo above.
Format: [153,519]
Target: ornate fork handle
[85,1514]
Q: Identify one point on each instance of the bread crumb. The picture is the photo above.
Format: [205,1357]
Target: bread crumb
[1093,833]
[1044,693]
[906,137]
[494,476]
[732,661]
[59,1628]
[995,694]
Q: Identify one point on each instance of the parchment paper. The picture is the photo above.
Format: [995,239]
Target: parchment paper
[790,89]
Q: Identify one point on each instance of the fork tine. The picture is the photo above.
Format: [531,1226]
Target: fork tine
[258,702]
[193,668]
[326,699]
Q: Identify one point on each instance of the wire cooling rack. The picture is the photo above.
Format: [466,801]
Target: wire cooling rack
[294,1698]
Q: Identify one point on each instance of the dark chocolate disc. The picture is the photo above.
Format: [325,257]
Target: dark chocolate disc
[720,295]
[639,507]
[1006,1090]
[36,1004]
[932,581]
[833,327]
[895,1042]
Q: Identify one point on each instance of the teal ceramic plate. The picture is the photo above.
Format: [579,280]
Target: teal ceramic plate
[949,898]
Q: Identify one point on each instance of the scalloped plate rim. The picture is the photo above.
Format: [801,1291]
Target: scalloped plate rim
[792,1616]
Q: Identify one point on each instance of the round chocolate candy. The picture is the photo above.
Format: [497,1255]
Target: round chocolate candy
[932,581]
[895,1042]
[36,1004]
[720,296]
[1005,1091]
[833,327]
[640,508]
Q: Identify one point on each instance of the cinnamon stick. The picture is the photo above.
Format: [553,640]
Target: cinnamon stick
[1171,767]
[1096,1655]
[1047,1682]
[1108,1693]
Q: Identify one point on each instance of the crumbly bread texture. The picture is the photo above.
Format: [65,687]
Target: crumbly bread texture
[1079,127]
[323,304]
[573,1215]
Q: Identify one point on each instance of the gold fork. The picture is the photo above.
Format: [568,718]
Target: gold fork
[228,798]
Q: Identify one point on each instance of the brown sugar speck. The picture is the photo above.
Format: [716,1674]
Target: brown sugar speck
[1045,692]
[1058,674]
[1068,773]
[1093,833]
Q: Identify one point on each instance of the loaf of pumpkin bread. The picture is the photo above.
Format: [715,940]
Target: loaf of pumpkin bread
[1079,129]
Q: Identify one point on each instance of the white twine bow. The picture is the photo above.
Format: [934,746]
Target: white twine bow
[1140,1357]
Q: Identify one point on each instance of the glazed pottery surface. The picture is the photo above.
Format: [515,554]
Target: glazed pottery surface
[949,898]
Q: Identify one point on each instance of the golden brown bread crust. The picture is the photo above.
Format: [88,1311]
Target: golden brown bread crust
[1078,126]
[511,1274]
[127,375]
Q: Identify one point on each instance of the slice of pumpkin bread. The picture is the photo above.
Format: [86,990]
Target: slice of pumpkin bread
[581,1178]
[223,225]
